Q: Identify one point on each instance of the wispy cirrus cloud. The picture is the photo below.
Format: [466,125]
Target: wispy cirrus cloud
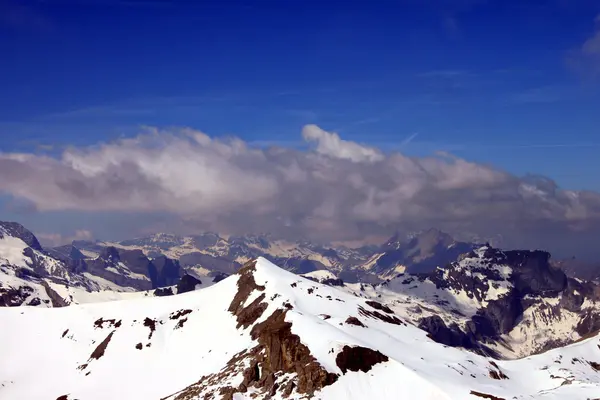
[585,59]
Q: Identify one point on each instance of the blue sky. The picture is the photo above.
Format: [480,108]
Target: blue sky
[509,86]
[486,80]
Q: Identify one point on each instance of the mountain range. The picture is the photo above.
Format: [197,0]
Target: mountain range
[422,316]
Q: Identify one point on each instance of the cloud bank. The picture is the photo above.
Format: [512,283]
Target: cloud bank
[335,190]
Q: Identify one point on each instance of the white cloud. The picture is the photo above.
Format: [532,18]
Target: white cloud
[330,144]
[339,190]
[57,239]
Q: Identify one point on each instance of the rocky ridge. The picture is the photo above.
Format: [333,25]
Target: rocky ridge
[500,303]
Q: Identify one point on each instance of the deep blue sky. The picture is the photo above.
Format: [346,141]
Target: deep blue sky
[499,82]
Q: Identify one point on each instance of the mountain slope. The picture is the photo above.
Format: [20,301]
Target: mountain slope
[263,333]
[503,303]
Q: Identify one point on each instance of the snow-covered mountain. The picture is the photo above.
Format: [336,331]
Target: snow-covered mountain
[264,333]
[210,253]
[30,275]
[503,303]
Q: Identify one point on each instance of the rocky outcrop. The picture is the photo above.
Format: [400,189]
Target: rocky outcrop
[278,363]
[449,335]
[187,283]
[132,268]
[358,358]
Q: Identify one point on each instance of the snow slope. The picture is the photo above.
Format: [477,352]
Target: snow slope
[263,333]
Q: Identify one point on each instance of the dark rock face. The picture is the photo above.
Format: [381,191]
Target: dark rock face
[358,359]
[354,321]
[165,271]
[55,298]
[187,283]
[13,297]
[590,323]
[450,336]
[160,272]
[533,274]
[161,292]
[499,317]
[17,230]
[527,278]
[333,282]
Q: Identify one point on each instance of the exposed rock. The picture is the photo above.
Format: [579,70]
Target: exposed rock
[450,336]
[358,359]
[101,348]
[160,292]
[590,323]
[180,313]
[187,283]
[355,321]
[248,315]
[246,285]
[151,324]
[390,319]
[55,298]
[113,323]
[378,306]
[486,396]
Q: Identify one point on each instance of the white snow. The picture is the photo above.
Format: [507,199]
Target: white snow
[11,251]
[40,357]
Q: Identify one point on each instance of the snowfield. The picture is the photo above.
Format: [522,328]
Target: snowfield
[264,333]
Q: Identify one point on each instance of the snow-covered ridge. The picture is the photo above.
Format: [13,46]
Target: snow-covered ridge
[264,333]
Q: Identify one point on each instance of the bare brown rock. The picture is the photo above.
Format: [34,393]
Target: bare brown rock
[101,348]
[378,306]
[355,321]
[180,323]
[248,315]
[151,324]
[246,285]
[180,313]
[390,319]
[358,359]
[111,323]
[497,373]
[486,396]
